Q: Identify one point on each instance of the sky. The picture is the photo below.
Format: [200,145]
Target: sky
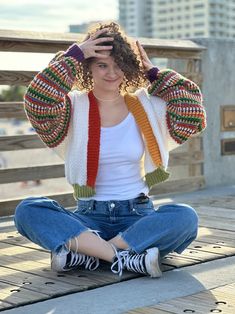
[47,16]
[54,15]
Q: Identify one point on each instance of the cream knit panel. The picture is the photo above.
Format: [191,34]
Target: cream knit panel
[76,157]
[160,107]
[61,149]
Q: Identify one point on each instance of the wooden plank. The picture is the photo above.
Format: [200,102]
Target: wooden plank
[189,158]
[214,222]
[218,212]
[186,185]
[57,171]
[78,278]
[5,305]
[17,142]
[7,207]
[9,234]
[26,41]
[177,260]
[11,255]
[216,236]
[22,78]
[172,53]
[36,283]
[197,143]
[32,173]
[17,295]
[224,202]
[212,248]
[12,110]
[216,300]
[193,169]
[7,35]
[148,310]
[202,256]
[195,256]
[35,46]
[14,238]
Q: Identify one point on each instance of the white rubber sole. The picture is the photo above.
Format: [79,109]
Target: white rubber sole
[152,262]
[58,263]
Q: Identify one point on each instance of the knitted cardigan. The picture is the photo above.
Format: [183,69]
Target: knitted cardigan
[68,121]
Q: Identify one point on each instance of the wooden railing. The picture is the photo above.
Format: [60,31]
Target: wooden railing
[189,156]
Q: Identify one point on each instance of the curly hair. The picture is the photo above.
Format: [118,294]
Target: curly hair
[124,55]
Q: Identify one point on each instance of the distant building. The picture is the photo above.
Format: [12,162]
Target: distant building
[178,18]
[135,16]
[81,28]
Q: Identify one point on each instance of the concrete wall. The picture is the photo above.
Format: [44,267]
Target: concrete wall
[218,69]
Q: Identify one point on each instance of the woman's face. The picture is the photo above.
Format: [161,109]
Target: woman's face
[107,76]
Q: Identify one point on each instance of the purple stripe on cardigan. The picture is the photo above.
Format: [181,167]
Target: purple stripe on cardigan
[75,52]
[152,74]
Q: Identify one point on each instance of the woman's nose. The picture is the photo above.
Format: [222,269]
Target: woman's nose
[112,71]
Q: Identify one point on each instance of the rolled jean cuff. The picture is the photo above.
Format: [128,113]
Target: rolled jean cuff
[132,247]
[58,248]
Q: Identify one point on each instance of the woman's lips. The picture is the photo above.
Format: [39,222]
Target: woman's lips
[111,81]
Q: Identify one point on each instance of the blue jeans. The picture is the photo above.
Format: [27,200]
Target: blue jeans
[169,227]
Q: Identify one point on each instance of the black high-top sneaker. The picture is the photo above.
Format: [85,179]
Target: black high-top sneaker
[147,263]
[67,260]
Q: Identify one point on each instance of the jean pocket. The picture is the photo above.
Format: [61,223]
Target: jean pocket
[83,210]
[143,209]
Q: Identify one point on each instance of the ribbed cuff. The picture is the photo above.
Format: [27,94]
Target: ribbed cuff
[152,74]
[75,52]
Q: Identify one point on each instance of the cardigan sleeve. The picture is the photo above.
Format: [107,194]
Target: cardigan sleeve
[46,101]
[185,114]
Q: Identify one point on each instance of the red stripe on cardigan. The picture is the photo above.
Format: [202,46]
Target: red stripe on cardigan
[93,149]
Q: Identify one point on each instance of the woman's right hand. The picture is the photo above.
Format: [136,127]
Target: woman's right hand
[89,45]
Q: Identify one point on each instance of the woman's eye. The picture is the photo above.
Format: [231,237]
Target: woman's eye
[102,66]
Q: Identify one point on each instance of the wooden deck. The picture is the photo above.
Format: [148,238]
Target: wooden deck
[218,300]
[25,275]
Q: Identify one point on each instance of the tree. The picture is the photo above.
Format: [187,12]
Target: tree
[13,93]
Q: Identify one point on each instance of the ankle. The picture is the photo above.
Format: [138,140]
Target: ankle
[115,252]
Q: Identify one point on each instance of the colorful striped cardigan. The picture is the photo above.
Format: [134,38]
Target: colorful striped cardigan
[168,113]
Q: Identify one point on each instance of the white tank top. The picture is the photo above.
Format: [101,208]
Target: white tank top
[120,172]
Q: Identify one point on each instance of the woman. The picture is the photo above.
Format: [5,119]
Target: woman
[116,147]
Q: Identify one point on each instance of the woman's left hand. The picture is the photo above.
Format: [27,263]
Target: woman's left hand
[144,57]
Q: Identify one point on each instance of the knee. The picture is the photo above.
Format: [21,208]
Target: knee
[23,211]
[182,214]
[189,219]
[188,215]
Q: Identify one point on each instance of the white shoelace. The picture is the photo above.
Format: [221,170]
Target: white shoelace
[82,259]
[136,263]
[132,262]
[89,262]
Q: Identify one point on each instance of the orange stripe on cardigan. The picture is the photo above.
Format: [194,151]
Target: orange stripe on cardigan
[142,120]
[93,149]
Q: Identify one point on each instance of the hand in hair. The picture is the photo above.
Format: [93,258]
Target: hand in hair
[147,64]
[90,47]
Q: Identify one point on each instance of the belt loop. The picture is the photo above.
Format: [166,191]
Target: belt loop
[91,204]
[131,204]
